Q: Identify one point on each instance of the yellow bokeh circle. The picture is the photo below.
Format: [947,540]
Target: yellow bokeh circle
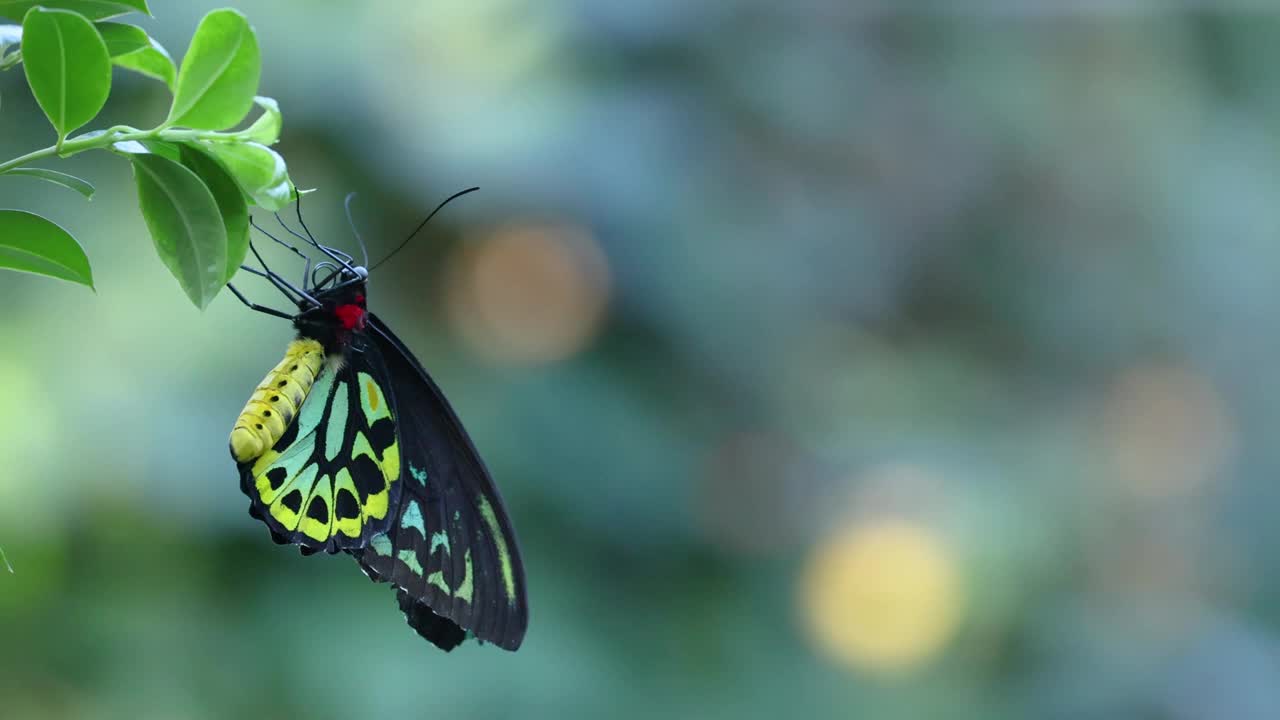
[885,596]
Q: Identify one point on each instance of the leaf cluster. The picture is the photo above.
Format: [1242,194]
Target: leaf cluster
[196,177]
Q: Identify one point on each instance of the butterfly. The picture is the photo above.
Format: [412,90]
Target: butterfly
[348,445]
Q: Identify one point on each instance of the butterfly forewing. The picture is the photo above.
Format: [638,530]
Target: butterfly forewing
[451,546]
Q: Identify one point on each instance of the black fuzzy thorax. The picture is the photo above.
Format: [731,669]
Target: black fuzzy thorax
[322,323]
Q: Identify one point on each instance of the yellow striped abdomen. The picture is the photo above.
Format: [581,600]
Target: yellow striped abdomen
[276,401]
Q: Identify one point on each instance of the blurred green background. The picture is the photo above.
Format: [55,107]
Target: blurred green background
[836,360]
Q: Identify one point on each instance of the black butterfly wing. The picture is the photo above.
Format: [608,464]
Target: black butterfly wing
[451,551]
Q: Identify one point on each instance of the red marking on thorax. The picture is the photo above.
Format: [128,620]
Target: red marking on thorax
[351,316]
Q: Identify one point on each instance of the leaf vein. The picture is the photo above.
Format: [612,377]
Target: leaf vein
[187,225]
[231,56]
[62,79]
[21,251]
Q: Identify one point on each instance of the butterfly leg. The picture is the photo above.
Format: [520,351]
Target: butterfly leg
[306,270]
[281,284]
[257,307]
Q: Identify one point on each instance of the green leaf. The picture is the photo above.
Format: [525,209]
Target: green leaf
[71,182]
[131,48]
[30,243]
[231,203]
[92,9]
[122,39]
[167,150]
[67,67]
[257,169]
[266,129]
[185,223]
[219,75]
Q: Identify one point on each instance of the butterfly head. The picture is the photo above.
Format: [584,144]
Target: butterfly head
[340,317]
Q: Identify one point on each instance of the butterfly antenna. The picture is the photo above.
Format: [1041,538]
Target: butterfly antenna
[423,224]
[363,249]
[333,253]
[323,248]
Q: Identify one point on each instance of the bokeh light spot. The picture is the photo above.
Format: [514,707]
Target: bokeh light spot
[1166,429]
[529,294]
[885,596]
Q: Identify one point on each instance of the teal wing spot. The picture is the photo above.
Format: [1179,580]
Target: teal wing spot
[292,462]
[410,558]
[437,578]
[381,545]
[464,587]
[312,410]
[440,539]
[413,518]
[337,425]
[419,475]
[303,482]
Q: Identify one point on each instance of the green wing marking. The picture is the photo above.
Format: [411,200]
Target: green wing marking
[450,554]
[332,479]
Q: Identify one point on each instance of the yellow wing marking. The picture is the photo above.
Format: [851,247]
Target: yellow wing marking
[290,462]
[311,527]
[299,487]
[371,400]
[376,504]
[349,526]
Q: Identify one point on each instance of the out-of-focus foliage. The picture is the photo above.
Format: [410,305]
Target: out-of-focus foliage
[835,360]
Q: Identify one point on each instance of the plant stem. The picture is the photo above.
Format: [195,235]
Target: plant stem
[107,138]
[18,162]
[75,145]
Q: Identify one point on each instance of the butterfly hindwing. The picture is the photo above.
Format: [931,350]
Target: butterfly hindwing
[332,480]
[450,551]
